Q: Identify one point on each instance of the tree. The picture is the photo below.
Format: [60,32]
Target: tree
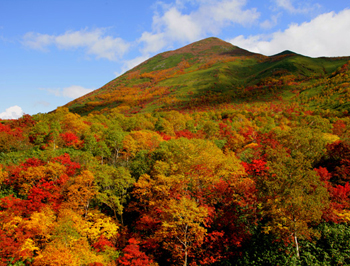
[113,184]
[140,140]
[114,137]
[132,256]
[80,192]
[182,226]
[294,199]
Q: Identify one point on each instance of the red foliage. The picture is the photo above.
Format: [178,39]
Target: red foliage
[339,127]
[339,196]
[44,190]
[102,243]
[224,130]
[164,136]
[248,133]
[70,139]
[46,193]
[256,168]
[16,132]
[186,134]
[24,121]
[338,163]
[232,200]
[15,171]
[339,150]
[71,167]
[268,140]
[10,248]
[5,128]
[133,256]
[17,206]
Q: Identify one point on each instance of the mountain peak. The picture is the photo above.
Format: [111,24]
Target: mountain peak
[286,52]
[203,74]
[209,46]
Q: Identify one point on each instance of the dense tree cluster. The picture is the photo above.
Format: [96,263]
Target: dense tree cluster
[263,184]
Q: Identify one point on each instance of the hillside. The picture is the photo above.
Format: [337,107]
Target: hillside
[206,155]
[211,72]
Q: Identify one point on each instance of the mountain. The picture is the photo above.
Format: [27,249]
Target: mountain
[247,170]
[212,72]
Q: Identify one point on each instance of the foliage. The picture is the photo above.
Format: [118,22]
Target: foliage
[207,155]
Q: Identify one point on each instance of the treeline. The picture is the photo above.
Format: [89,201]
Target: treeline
[259,184]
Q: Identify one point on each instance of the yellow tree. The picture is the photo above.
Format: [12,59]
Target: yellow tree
[140,140]
[182,226]
[71,239]
[80,193]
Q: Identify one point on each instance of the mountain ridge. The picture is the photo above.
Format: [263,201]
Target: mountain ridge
[206,73]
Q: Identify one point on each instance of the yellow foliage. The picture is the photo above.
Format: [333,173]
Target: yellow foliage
[98,224]
[330,138]
[267,229]
[199,157]
[72,238]
[94,225]
[12,225]
[29,246]
[81,192]
[43,222]
[343,214]
[231,167]
[182,225]
[3,175]
[141,140]
[74,123]
[251,145]
[56,255]
[82,250]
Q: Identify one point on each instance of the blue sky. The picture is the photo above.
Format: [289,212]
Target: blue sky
[52,51]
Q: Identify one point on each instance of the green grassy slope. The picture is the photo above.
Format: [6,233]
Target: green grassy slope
[211,72]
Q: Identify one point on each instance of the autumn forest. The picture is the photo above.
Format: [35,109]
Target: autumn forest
[206,155]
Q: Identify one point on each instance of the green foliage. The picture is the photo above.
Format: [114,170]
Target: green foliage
[141,164]
[113,184]
[211,72]
[262,249]
[332,248]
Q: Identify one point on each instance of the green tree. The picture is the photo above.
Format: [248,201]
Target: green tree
[113,184]
[295,197]
[114,137]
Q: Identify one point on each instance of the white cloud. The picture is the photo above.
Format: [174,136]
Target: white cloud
[207,17]
[69,92]
[95,42]
[129,64]
[154,42]
[12,112]
[304,7]
[270,23]
[325,35]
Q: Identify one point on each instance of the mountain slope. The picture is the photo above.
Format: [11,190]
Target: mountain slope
[211,72]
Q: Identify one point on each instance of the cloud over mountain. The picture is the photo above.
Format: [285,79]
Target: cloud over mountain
[173,24]
[12,112]
[315,38]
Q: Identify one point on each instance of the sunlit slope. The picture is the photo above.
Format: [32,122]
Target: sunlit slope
[212,72]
